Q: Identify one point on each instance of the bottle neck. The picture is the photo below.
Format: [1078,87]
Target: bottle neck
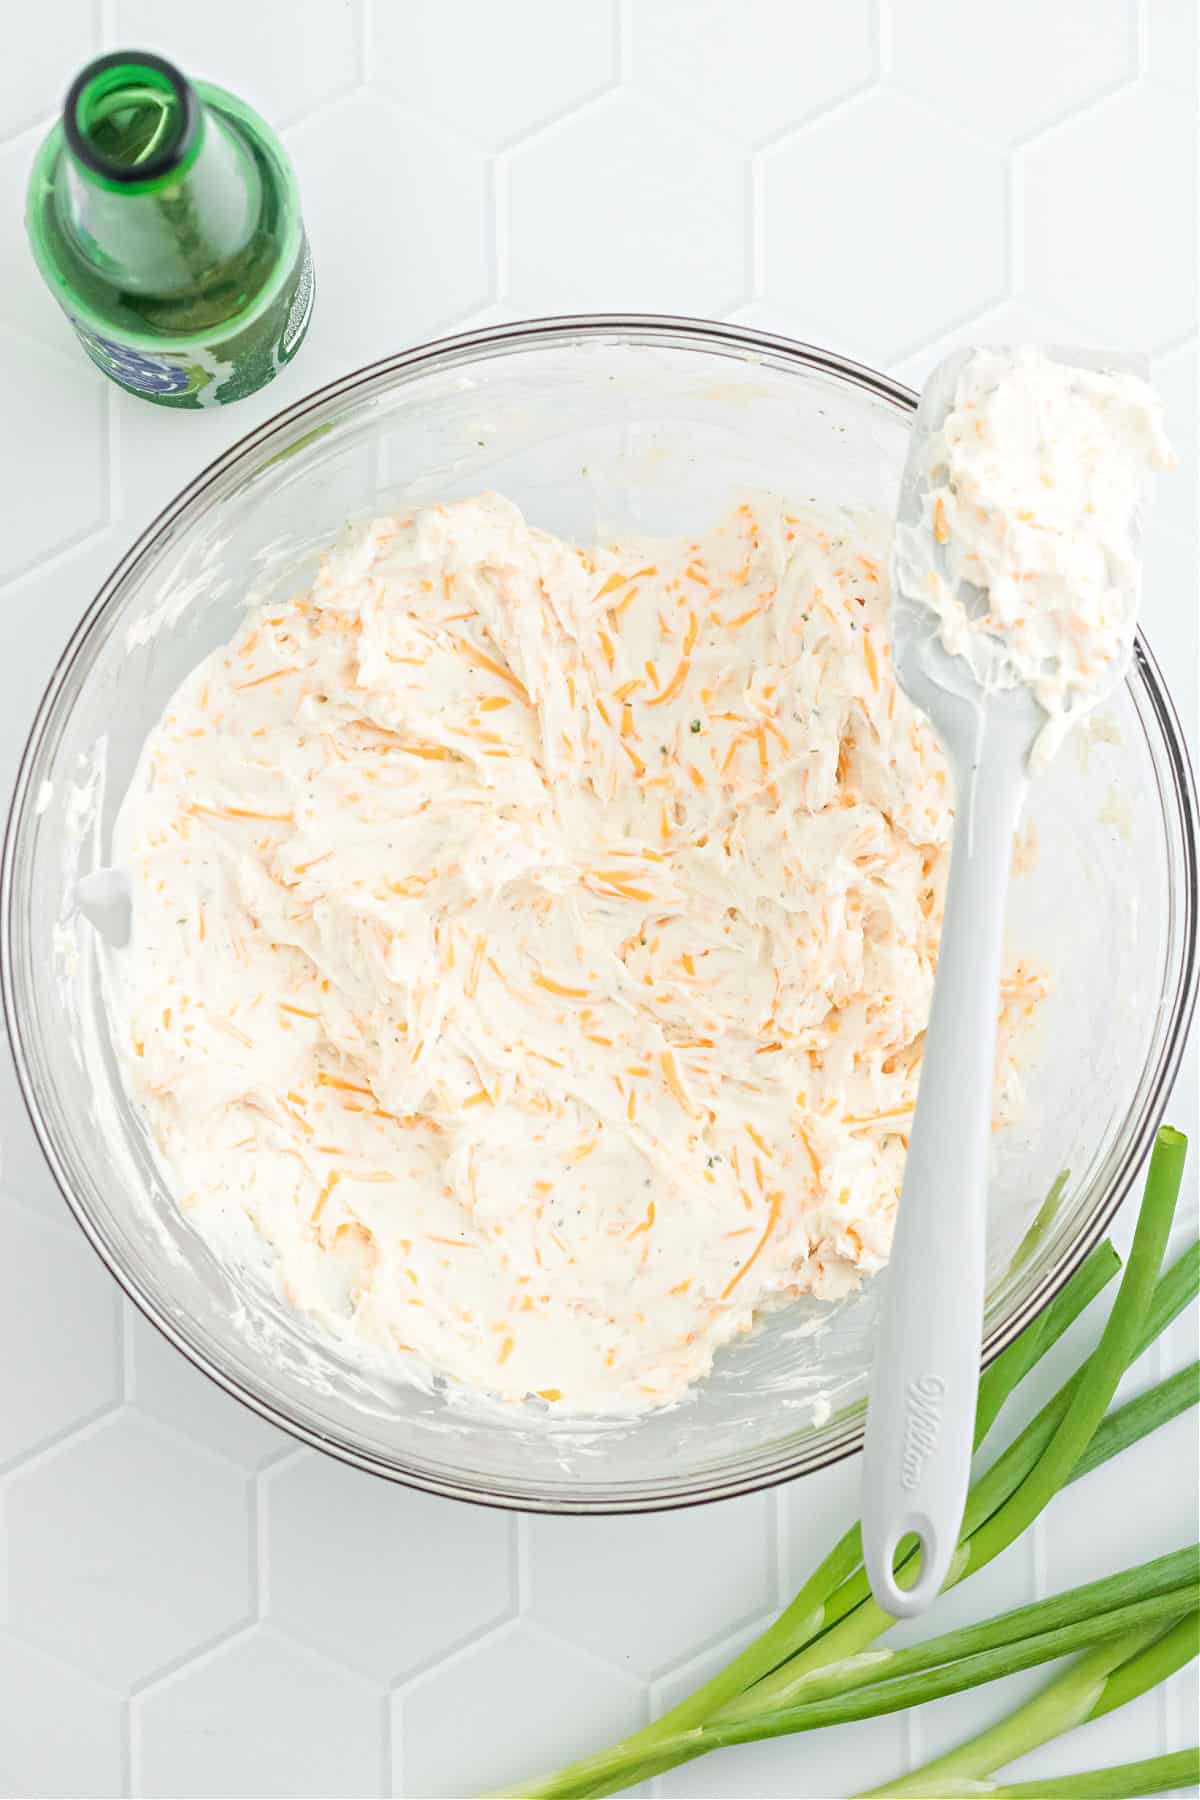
[155,190]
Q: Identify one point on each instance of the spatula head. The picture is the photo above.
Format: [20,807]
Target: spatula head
[947,688]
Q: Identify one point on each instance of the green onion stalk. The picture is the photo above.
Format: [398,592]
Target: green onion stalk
[815,1664]
[1111,1674]
[1125,1781]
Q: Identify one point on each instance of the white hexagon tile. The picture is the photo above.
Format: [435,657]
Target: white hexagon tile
[190,1604]
[399,1589]
[584,203]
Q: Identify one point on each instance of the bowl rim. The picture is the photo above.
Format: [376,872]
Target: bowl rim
[444,352]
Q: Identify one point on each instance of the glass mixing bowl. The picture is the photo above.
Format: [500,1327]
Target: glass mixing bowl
[593,426]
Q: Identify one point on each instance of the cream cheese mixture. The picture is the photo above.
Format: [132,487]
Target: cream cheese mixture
[1034,486]
[532,946]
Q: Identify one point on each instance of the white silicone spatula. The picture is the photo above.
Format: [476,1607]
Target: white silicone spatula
[923,1391]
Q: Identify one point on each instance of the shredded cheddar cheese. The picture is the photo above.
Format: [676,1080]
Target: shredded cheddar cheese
[548,1016]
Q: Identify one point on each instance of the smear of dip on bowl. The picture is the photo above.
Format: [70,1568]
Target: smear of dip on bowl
[533,944]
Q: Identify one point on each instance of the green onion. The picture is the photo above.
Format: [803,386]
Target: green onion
[1026,1351]
[1106,1365]
[1132,1421]
[1114,1637]
[1174,1650]
[993,1518]
[814,1665]
[637,1759]
[1108,1676]
[806,1615]
[1176,1289]
[1171,1575]
[1125,1781]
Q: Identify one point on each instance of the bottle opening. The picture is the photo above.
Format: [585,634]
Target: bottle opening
[131,121]
[131,118]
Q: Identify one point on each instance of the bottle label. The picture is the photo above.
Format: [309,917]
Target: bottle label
[300,308]
[195,376]
[159,375]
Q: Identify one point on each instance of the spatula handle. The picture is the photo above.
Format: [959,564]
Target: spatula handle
[922,1407]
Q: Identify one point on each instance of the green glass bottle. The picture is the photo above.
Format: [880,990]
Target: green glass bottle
[165,219]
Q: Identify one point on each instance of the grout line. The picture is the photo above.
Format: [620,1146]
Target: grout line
[1124,84]
[336,101]
[363,20]
[20,1200]
[165,1674]
[1178,1724]
[823,115]
[948,331]
[201,1654]
[561,115]
[393,1769]
[522,1564]
[512,1557]
[1014,207]
[38,565]
[883,39]
[77,1431]
[260,1559]
[1086,109]
[125,1351]
[625,39]
[785,1540]
[756,227]
[910,1722]
[496,228]
[778,1544]
[1164,1697]
[1187,340]
[1037,1557]
[170,1431]
[35,130]
[112,441]
[255,1545]
[131,1748]
[413,1679]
